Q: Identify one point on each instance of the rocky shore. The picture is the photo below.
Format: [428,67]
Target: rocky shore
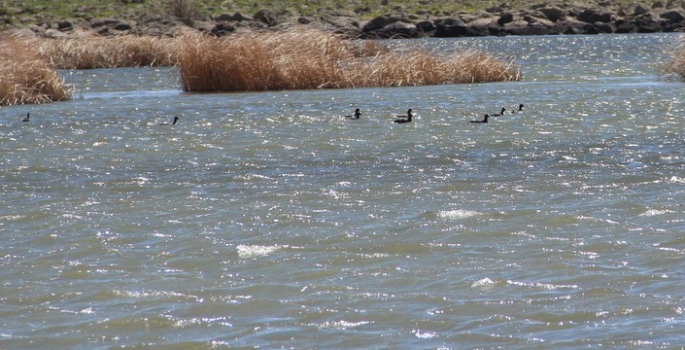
[551,18]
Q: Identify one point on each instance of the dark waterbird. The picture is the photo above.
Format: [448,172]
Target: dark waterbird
[407,120]
[357,114]
[519,110]
[484,121]
[176,118]
[26,119]
[500,113]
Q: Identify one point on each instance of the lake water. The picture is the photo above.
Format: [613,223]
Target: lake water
[265,220]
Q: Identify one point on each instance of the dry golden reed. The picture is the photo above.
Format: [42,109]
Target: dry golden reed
[674,67]
[309,59]
[105,52]
[259,61]
[27,79]
[286,60]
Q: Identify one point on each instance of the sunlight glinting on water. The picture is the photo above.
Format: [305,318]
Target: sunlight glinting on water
[268,220]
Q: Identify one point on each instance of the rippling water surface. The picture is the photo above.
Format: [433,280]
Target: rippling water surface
[265,220]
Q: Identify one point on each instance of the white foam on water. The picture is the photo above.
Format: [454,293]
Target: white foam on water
[253,251]
[655,212]
[676,180]
[483,283]
[457,214]
[545,286]
[342,324]
[424,335]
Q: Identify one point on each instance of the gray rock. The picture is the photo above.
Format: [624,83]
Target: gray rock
[505,18]
[523,27]
[122,27]
[640,10]
[647,23]
[65,26]
[236,17]
[553,14]
[572,26]
[267,17]
[222,28]
[592,16]
[483,27]
[604,28]
[450,28]
[623,27]
[380,23]
[673,16]
[426,27]
[398,30]
[224,17]
[104,22]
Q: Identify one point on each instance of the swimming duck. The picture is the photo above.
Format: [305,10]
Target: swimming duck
[519,110]
[176,118]
[26,119]
[408,116]
[500,113]
[484,121]
[357,114]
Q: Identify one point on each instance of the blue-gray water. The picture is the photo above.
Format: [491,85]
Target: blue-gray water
[264,220]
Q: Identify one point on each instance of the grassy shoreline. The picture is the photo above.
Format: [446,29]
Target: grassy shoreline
[23,13]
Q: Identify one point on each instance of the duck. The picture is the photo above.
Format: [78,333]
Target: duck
[176,118]
[519,110]
[402,121]
[357,114]
[26,119]
[500,113]
[484,121]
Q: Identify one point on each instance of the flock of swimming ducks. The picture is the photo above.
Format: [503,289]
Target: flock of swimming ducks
[401,119]
[176,119]
[407,118]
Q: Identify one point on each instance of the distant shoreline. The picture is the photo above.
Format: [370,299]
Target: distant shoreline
[550,18]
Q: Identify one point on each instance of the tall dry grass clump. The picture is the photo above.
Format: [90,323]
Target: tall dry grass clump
[27,79]
[478,67]
[261,61]
[417,68]
[674,67]
[310,59]
[105,52]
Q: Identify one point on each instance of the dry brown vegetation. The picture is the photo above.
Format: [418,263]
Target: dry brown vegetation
[287,60]
[104,52]
[312,59]
[674,67]
[25,78]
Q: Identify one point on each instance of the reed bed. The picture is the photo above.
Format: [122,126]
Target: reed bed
[307,59]
[675,67]
[105,52]
[260,61]
[25,78]
[286,60]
